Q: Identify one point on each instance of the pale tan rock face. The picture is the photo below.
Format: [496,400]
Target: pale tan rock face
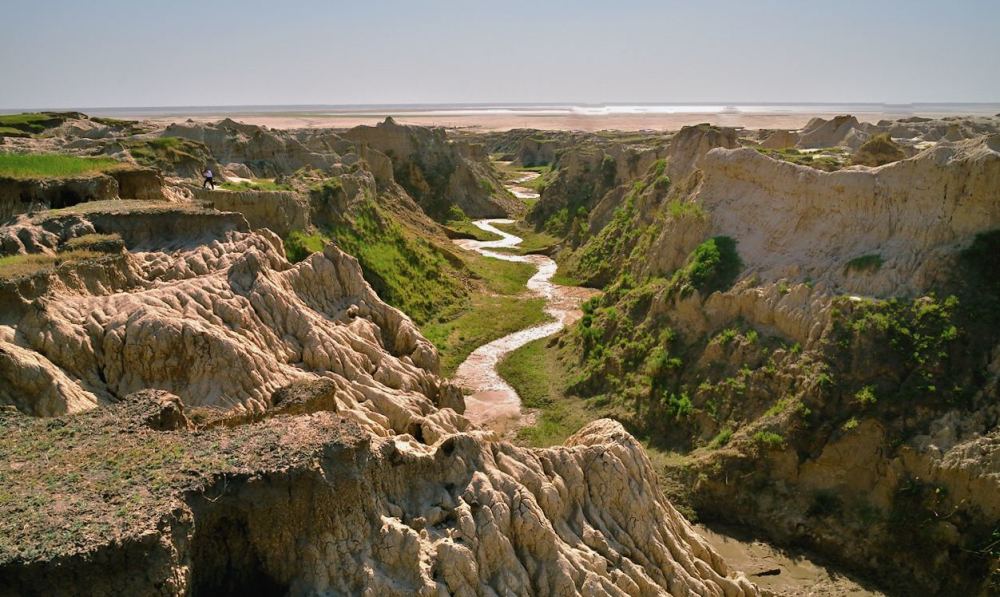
[573,520]
[226,324]
[419,502]
[796,222]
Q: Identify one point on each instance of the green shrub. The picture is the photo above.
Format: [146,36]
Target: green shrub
[679,405]
[713,265]
[721,439]
[866,396]
[769,439]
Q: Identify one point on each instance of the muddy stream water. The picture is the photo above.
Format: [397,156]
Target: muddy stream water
[494,404]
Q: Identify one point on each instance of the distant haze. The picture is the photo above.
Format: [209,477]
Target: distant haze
[71,54]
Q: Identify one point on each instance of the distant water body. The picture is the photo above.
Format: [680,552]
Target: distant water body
[622,109]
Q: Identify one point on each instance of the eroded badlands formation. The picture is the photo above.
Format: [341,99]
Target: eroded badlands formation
[810,317]
[189,412]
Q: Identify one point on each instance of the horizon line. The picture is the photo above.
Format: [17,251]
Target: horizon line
[568,104]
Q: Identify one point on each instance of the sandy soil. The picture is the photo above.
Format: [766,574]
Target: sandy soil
[782,572]
[500,122]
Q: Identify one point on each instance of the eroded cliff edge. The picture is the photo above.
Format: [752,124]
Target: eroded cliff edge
[230,422]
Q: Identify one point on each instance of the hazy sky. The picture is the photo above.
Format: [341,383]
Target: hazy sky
[78,53]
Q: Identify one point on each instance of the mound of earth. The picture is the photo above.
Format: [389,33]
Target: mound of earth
[877,151]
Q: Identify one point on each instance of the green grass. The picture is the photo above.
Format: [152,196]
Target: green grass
[168,152]
[769,439]
[538,376]
[27,124]
[93,242]
[533,242]
[721,439]
[487,318]
[256,184]
[299,245]
[499,276]
[499,306]
[865,263]
[19,266]
[466,229]
[564,278]
[47,165]
[828,160]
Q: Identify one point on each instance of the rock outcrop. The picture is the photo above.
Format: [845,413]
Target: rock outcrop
[439,172]
[796,222]
[23,195]
[278,211]
[313,504]
[244,425]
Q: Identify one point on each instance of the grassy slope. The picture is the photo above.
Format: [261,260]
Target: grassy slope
[17,165]
[460,299]
[19,266]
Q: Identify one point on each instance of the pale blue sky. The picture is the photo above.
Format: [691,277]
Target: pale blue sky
[74,53]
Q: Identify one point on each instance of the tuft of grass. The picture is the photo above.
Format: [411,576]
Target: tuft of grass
[865,263]
[679,209]
[49,165]
[721,439]
[866,396]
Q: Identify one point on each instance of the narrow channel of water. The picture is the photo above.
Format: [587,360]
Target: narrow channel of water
[493,399]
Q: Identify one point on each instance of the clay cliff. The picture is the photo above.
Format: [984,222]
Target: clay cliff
[827,338]
[438,171]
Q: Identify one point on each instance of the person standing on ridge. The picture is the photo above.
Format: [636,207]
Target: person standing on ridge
[209,179]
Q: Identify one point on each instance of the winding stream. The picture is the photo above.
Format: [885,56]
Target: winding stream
[495,404]
[493,400]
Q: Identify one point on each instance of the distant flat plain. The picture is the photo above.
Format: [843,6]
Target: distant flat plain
[549,116]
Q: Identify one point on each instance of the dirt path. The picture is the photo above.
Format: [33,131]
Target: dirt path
[494,402]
